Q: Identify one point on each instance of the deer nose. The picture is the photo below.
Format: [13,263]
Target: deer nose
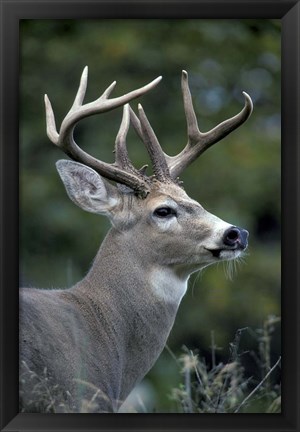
[236,236]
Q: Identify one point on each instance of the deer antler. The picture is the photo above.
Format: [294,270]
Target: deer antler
[166,168]
[121,171]
[145,132]
[198,141]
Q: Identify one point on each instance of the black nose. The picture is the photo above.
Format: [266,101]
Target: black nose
[236,236]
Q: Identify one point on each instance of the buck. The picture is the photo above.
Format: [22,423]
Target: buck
[100,337]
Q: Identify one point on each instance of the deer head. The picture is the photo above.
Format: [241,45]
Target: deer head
[155,207]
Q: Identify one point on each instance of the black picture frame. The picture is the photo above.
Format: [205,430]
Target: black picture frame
[11,13]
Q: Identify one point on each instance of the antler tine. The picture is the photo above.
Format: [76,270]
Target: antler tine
[65,140]
[81,90]
[198,142]
[136,123]
[147,135]
[121,154]
[157,156]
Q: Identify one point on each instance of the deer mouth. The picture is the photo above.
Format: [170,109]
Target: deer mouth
[227,253]
[215,252]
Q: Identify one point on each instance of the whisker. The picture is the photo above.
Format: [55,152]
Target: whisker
[196,278]
[231,266]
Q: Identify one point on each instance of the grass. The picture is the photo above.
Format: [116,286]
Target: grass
[44,396]
[225,388]
[205,388]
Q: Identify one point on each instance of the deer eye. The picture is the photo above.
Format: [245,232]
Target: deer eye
[164,212]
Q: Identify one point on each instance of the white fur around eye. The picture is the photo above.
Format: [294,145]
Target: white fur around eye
[166,224]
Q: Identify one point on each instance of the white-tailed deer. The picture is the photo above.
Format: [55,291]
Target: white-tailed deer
[98,339]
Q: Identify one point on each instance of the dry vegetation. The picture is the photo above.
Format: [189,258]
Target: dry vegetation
[224,388]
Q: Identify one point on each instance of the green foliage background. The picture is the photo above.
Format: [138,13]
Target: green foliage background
[238,179]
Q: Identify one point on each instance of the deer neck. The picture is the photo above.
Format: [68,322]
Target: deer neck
[121,267]
[140,302]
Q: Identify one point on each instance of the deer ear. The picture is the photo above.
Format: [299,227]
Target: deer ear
[87,188]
